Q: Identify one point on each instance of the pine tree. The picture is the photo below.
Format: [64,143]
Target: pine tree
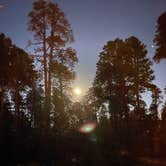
[111,84]
[51,32]
[22,73]
[156,100]
[160,38]
[142,73]
[123,74]
[5,62]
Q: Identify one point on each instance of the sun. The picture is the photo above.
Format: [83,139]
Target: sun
[77,91]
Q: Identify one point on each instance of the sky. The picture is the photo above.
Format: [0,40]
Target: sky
[94,22]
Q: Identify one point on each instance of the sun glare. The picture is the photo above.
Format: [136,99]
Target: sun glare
[77,91]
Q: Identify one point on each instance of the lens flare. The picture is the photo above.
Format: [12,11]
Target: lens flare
[87,128]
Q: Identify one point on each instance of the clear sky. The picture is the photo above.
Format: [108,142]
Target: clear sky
[94,22]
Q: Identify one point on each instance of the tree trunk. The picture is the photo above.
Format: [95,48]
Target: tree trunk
[2,91]
[137,98]
[16,98]
[61,90]
[50,65]
[45,59]
[45,63]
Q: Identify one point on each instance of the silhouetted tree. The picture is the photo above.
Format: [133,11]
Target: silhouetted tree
[22,73]
[52,32]
[17,71]
[156,100]
[60,34]
[63,69]
[92,104]
[160,38]
[163,114]
[60,116]
[142,73]
[5,62]
[112,79]
[34,104]
[39,25]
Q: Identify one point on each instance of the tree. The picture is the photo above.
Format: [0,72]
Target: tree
[60,117]
[164,109]
[142,73]
[92,104]
[156,100]
[111,84]
[39,26]
[63,69]
[16,71]
[51,31]
[123,74]
[160,38]
[22,73]
[60,35]
[34,104]
[5,62]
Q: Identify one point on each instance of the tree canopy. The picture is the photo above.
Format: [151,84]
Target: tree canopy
[160,38]
[123,74]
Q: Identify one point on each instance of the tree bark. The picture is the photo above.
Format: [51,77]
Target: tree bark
[50,65]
